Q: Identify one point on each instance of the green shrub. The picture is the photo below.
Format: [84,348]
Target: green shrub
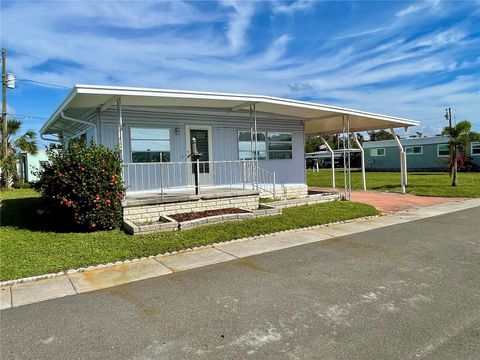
[21,185]
[85,184]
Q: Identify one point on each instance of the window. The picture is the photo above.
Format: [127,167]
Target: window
[443,150]
[377,152]
[245,150]
[150,145]
[271,145]
[279,145]
[475,147]
[414,150]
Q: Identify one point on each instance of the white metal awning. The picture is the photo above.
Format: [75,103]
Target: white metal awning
[319,118]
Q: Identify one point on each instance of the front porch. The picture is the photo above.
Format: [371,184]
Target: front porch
[149,212]
[167,180]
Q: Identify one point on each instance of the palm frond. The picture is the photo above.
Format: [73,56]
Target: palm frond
[25,144]
[13,126]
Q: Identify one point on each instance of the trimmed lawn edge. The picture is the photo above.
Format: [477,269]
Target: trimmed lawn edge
[101,266]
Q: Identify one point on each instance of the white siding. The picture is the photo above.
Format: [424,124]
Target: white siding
[225,127]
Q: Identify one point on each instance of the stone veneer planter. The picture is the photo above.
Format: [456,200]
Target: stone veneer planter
[169,224]
[147,213]
[150,208]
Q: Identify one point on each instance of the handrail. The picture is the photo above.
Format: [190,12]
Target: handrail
[160,176]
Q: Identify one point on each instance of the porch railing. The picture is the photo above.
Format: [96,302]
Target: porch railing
[164,176]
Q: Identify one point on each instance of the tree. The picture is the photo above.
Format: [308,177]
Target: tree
[460,135]
[379,135]
[313,143]
[16,143]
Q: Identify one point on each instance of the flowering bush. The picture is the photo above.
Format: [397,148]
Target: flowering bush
[85,184]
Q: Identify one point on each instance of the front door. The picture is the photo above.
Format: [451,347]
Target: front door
[203,137]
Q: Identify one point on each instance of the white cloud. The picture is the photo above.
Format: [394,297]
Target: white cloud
[239,22]
[409,10]
[153,44]
[299,5]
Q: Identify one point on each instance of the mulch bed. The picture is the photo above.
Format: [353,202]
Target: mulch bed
[318,192]
[207,213]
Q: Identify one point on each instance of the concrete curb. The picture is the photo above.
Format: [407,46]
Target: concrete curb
[43,287]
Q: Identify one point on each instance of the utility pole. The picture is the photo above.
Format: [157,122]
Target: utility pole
[448,116]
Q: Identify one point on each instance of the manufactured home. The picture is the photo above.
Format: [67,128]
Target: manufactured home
[154,129]
[28,165]
[248,145]
[427,153]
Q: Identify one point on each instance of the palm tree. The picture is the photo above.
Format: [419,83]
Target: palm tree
[15,143]
[460,135]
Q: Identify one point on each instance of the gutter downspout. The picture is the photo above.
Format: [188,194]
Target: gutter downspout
[62,114]
[52,140]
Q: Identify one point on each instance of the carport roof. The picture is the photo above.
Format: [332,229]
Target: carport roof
[319,118]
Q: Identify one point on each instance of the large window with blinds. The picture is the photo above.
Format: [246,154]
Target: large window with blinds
[246,149]
[271,145]
[150,145]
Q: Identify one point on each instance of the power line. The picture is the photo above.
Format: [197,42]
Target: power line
[26,117]
[44,83]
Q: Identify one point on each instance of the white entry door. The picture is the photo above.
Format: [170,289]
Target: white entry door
[204,146]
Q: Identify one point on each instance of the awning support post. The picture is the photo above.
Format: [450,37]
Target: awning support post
[256,143]
[403,160]
[362,159]
[333,160]
[346,157]
[120,127]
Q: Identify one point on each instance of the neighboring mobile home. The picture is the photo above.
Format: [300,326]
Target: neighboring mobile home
[428,153]
[154,129]
[28,165]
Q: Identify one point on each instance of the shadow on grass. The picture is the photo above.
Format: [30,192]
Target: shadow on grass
[24,213]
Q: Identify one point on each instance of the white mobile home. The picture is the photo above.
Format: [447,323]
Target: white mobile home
[245,141]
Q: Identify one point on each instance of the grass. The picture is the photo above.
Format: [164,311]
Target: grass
[29,246]
[419,183]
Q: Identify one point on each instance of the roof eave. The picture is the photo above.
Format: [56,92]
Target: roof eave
[59,109]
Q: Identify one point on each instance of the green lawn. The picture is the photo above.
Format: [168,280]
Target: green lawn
[31,246]
[419,183]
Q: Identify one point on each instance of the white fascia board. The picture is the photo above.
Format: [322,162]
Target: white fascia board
[130,91]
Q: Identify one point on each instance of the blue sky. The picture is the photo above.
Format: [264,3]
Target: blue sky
[407,59]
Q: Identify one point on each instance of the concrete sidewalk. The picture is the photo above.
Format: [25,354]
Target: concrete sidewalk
[100,278]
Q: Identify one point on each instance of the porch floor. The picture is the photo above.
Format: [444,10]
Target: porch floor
[155,197]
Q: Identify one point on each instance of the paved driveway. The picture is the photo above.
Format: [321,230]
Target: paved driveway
[409,291]
[393,202]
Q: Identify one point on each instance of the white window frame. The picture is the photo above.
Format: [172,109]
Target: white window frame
[374,152]
[267,150]
[472,145]
[438,150]
[414,153]
[131,139]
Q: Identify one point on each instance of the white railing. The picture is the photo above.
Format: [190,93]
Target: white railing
[266,181]
[163,176]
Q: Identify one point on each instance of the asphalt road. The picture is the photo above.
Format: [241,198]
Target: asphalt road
[409,291]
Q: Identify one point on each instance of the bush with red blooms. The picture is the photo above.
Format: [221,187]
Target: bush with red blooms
[85,184]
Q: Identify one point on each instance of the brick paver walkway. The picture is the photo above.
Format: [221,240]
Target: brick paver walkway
[392,203]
